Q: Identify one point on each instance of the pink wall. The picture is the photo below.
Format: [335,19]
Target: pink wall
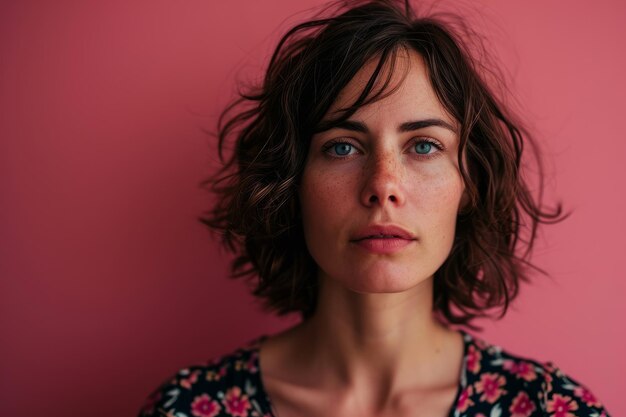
[108,282]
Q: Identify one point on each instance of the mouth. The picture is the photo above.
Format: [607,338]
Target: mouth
[382,232]
[381,237]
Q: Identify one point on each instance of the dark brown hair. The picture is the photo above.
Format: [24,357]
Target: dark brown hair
[257,210]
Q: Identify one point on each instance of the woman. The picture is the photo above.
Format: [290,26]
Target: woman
[375,188]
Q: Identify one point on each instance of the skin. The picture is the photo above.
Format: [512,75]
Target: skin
[373,346]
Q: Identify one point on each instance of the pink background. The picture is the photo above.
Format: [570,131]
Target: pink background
[108,282]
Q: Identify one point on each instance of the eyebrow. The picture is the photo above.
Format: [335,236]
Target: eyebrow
[404,127]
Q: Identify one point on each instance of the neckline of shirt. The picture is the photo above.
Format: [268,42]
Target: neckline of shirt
[252,348]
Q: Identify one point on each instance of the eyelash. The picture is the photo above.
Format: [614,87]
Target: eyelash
[329,145]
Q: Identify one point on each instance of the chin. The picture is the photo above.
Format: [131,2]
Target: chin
[386,288]
[384,283]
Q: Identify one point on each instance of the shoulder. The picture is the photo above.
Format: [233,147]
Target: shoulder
[227,385]
[498,382]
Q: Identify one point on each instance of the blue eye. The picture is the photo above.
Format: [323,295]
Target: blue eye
[342,148]
[423,147]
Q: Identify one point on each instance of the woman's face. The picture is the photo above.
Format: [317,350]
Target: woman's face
[380,194]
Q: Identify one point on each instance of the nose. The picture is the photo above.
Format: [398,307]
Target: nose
[383,184]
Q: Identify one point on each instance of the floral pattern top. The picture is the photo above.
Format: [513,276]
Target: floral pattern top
[493,383]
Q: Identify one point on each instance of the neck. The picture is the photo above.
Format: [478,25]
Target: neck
[376,342]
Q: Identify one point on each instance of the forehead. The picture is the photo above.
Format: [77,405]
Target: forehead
[409,92]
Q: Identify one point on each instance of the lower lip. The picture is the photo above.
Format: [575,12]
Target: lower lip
[382,245]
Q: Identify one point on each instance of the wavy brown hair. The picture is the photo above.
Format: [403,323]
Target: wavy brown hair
[257,211]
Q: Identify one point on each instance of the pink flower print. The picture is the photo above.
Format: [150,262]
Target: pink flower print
[522,369]
[548,382]
[586,395]
[561,405]
[204,406]
[464,399]
[489,385]
[482,345]
[521,406]
[549,367]
[190,380]
[236,403]
[473,360]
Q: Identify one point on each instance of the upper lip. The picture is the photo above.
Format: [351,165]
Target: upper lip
[383,231]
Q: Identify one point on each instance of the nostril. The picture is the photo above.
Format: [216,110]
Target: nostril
[374,198]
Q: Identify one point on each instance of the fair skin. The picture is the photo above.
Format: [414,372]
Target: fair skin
[373,347]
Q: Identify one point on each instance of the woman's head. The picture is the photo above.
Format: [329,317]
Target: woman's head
[323,75]
[380,193]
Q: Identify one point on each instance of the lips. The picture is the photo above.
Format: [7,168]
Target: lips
[382,232]
[383,240]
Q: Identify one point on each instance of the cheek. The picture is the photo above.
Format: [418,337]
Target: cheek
[437,196]
[314,195]
[316,207]
[438,186]
[327,204]
[324,197]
